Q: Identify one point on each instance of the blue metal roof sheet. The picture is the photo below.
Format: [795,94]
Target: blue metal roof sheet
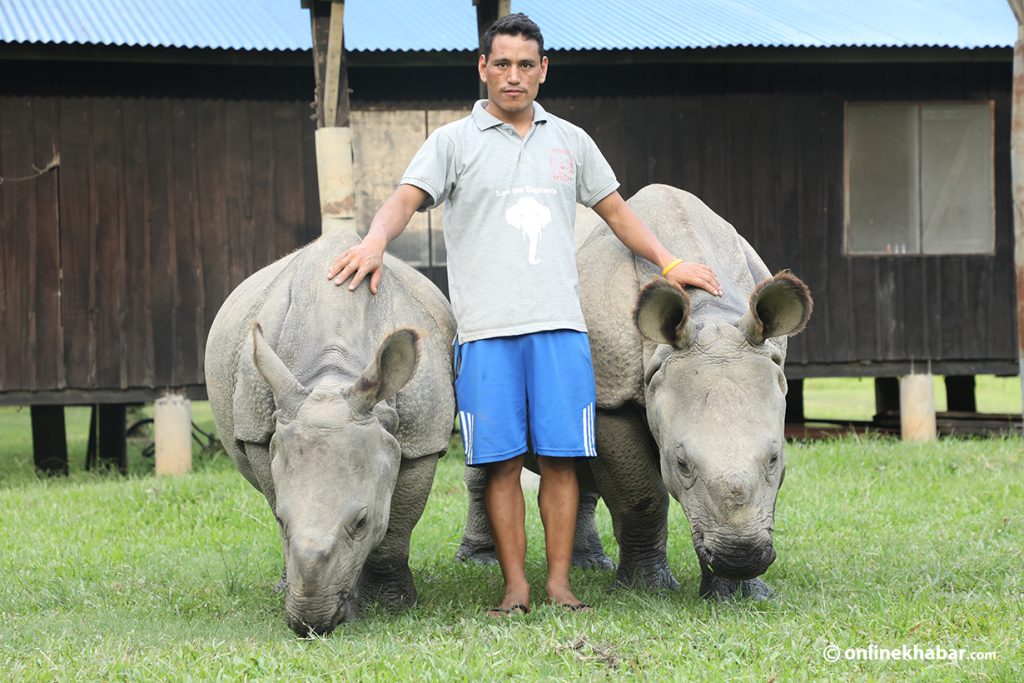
[446,25]
[648,24]
[248,25]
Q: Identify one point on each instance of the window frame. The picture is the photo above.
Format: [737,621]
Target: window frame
[918,106]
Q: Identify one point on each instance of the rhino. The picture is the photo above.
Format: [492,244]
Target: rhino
[691,400]
[336,406]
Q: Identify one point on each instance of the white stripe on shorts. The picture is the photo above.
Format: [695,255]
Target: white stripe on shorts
[466,420]
[589,449]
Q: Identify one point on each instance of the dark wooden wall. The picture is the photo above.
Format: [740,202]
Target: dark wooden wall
[177,181]
[174,184]
[762,145]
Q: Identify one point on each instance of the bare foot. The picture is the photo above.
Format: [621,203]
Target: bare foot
[516,601]
[564,597]
[499,612]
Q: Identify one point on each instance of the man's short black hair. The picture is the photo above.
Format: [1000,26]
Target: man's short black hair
[517,24]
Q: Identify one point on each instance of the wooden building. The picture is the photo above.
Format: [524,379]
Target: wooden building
[175,173]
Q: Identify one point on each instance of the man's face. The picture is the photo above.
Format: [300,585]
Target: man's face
[513,73]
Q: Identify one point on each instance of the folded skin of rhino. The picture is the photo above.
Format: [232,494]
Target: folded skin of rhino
[691,401]
[690,394]
[335,405]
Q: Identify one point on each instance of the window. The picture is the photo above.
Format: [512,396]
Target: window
[919,178]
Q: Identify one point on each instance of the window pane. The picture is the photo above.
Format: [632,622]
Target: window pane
[956,179]
[882,196]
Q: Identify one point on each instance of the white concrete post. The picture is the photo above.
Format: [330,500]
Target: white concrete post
[334,172]
[172,419]
[917,408]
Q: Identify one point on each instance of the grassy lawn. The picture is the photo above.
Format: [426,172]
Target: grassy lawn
[833,398]
[880,543]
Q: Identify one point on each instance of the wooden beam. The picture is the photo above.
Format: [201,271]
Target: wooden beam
[488,12]
[795,402]
[335,67]
[961,396]
[329,64]
[113,438]
[1017,174]
[887,398]
[49,440]
[333,136]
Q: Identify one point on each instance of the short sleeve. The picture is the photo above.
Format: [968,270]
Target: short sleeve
[595,179]
[433,168]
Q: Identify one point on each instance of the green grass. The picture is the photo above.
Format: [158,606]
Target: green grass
[878,542]
[16,462]
[833,398]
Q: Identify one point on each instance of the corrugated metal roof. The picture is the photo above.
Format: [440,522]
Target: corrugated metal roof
[647,24]
[444,25]
[248,25]
[237,24]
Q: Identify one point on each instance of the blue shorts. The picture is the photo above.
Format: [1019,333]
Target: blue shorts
[543,380]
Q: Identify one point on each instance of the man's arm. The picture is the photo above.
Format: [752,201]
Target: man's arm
[632,232]
[367,257]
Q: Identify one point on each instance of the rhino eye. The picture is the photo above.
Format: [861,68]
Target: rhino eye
[683,462]
[359,523]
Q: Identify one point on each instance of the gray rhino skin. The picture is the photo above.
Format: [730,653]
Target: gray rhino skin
[336,409]
[690,394]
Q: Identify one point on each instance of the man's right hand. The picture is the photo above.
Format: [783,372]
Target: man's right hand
[367,257]
[358,262]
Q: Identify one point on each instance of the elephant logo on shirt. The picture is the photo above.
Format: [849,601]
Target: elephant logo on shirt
[530,216]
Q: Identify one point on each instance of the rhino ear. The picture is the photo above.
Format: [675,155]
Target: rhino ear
[392,368]
[779,306]
[663,314]
[288,392]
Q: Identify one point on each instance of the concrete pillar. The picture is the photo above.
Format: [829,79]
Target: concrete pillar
[172,420]
[917,408]
[336,179]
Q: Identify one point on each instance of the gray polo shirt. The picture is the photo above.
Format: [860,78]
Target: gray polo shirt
[510,205]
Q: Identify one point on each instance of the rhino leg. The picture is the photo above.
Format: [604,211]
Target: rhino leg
[587,550]
[477,545]
[386,577]
[253,461]
[629,481]
[714,587]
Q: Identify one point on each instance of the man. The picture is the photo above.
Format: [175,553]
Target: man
[511,175]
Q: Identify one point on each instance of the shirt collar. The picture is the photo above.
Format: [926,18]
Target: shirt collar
[484,119]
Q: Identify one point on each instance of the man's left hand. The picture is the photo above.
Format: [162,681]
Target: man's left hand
[694,275]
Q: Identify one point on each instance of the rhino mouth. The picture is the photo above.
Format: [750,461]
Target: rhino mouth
[307,618]
[739,564]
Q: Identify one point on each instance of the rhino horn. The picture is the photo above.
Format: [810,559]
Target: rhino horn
[779,306]
[389,371]
[663,314]
[288,391]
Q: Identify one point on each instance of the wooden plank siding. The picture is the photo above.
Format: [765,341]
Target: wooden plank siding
[178,181]
[115,264]
[762,145]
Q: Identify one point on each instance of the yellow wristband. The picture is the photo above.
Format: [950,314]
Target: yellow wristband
[671,266]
